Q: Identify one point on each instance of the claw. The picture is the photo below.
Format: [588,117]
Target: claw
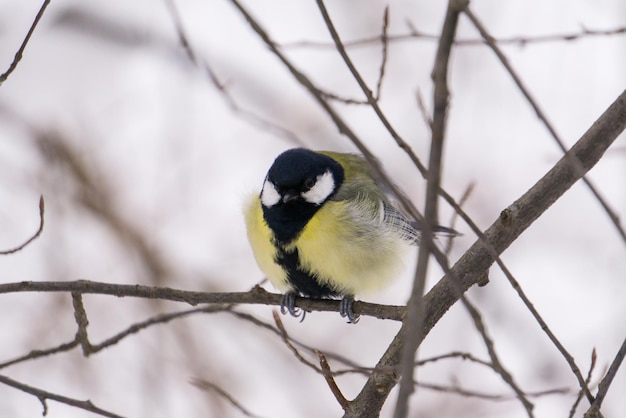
[288,304]
[345,310]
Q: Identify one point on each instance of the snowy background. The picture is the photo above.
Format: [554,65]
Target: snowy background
[171,160]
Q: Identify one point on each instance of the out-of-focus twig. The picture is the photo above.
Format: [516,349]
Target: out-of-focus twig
[42,210]
[202,64]
[543,118]
[44,396]
[415,34]
[385,47]
[82,338]
[207,386]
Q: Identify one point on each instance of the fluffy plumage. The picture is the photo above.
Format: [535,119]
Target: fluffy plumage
[321,227]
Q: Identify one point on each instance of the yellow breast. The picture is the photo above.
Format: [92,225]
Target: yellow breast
[260,237]
[349,250]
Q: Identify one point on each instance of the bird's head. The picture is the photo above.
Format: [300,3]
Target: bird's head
[297,184]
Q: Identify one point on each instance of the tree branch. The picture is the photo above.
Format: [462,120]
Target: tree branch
[42,210]
[474,264]
[43,396]
[20,51]
[490,41]
[415,309]
[256,296]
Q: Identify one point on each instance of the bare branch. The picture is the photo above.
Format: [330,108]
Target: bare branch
[42,210]
[88,348]
[207,386]
[367,92]
[383,63]
[286,340]
[605,383]
[415,308]
[543,118]
[20,51]
[256,296]
[43,396]
[472,266]
[581,392]
[495,360]
[415,34]
[328,375]
[250,117]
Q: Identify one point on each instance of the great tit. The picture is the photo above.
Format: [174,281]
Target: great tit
[323,228]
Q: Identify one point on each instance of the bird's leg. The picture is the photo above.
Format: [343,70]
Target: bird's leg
[345,309]
[288,304]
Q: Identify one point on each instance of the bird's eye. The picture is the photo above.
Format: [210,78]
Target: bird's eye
[309,183]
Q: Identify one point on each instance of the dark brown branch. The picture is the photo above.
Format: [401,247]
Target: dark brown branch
[43,396]
[471,268]
[20,51]
[42,210]
[328,376]
[256,296]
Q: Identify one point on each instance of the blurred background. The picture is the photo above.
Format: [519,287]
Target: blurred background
[144,163]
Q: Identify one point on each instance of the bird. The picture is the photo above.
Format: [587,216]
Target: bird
[323,228]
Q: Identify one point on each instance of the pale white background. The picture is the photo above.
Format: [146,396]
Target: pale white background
[178,162]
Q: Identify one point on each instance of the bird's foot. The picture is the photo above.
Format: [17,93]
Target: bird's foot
[288,305]
[345,310]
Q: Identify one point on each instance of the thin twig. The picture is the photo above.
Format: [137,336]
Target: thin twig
[43,396]
[421,105]
[493,355]
[543,118]
[207,386]
[605,383]
[88,348]
[20,51]
[383,63]
[256,296]
[249,116]
[328,376]
[579,397]
[415,34]
[42,210]
[455,215]
[366,90]
[286,340]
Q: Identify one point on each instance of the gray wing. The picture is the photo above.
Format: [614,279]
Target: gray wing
[400,223]
[408,229]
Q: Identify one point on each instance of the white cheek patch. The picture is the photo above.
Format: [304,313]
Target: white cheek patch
[269,194]
[323,187]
